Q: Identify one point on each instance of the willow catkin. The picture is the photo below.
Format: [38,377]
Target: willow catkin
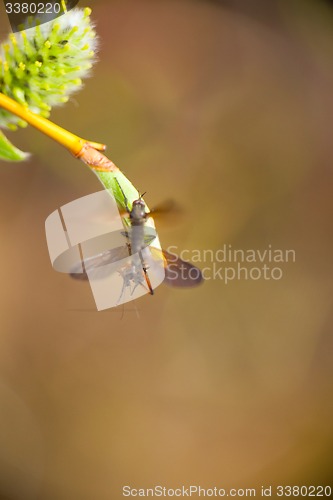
[40,67]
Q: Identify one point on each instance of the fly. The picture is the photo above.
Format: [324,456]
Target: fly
[140,255]
[136,237]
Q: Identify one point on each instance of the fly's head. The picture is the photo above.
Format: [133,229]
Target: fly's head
[138,211]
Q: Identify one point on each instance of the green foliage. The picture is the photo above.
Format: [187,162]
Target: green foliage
[9,152]
[111,180]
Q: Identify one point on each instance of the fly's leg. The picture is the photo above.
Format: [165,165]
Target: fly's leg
[150,288]
[125,285]
[135,286]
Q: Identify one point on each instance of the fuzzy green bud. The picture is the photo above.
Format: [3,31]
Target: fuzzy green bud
[41,66]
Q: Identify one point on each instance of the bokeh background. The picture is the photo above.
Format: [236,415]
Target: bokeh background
[227,108]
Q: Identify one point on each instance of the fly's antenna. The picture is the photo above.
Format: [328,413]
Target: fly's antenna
[124,196]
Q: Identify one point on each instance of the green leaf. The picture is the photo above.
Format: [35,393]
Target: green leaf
[9,152]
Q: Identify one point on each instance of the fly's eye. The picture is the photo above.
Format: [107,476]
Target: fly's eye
[138,203]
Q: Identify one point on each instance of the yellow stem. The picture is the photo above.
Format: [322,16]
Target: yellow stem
[87,151]
[70,141]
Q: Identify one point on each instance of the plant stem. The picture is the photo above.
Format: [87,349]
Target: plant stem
[89,152]
[70,141]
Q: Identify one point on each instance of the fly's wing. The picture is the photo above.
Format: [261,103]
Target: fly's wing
[168,213]
[97,262]
[98,257]
[178,272]
[149,236]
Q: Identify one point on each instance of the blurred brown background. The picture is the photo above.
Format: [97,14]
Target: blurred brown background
[226,107]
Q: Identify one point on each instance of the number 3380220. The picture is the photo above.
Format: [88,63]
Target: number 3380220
[33,8]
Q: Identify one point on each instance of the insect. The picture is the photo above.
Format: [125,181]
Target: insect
[139,261]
